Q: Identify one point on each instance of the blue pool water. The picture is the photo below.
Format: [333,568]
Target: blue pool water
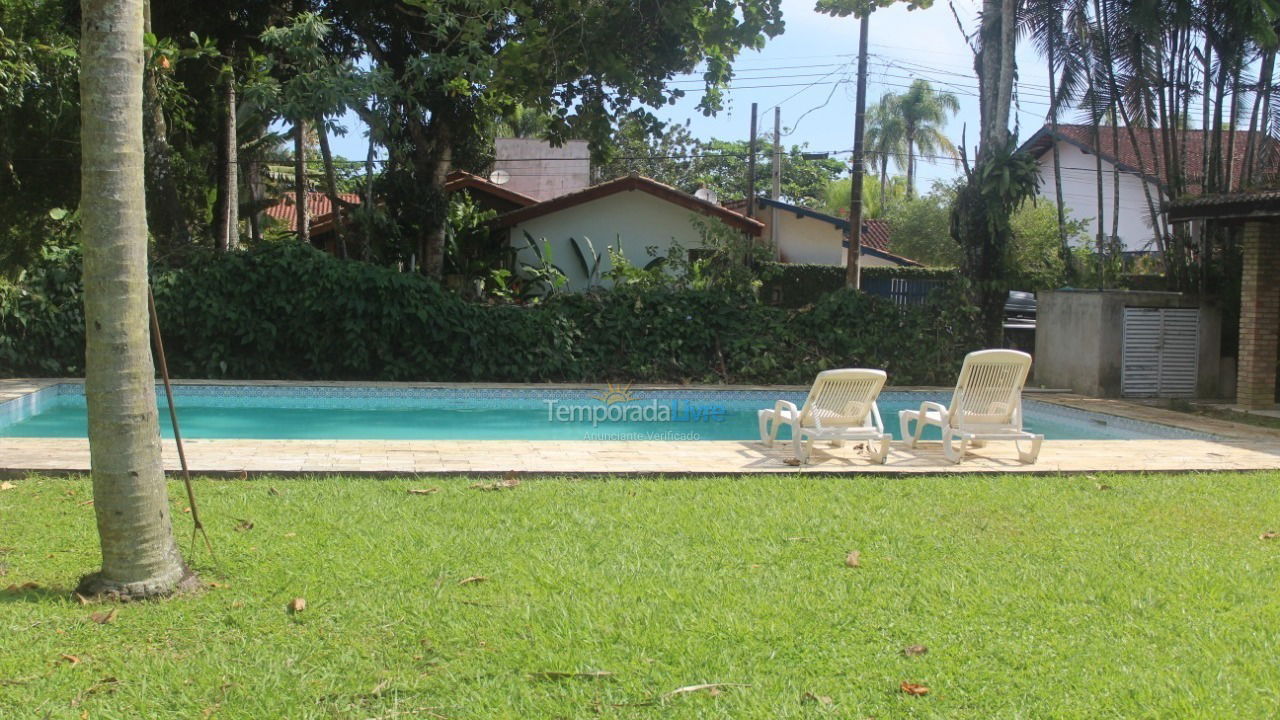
[531,413]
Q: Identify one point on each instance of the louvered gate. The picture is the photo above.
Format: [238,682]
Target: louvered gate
[1160,350]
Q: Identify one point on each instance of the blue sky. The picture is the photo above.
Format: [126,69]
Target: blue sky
[809,70]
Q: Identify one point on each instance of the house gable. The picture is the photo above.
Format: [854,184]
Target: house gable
[632,183]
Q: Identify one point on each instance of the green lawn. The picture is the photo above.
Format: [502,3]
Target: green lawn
[1037,597]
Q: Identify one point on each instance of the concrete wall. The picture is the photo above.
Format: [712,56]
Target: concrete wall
[1080,336]
[541,171]
[632,220]
[808,240]
[1080,195]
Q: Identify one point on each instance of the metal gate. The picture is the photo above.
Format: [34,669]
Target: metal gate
[1160,352]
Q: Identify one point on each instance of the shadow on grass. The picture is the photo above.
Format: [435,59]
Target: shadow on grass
[30,592]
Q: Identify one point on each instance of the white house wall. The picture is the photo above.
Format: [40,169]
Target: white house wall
[806,240]
[1080,196]
[633,220]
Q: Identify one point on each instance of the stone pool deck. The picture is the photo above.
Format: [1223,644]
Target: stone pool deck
[1241,447]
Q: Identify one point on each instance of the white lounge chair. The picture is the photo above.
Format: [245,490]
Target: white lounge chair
[841,406]
[986,405]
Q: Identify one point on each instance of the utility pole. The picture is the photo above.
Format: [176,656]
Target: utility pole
[776,191]
[751,166]
[853,274]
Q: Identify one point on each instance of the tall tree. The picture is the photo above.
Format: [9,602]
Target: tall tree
[1001,178]
[304,84]
[923,112]
[453,65]
[140,557]
[885,141]
[1044,21]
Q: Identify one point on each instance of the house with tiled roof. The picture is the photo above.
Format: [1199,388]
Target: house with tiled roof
[637,216]
[1141,169]
[805,236]
[321,217]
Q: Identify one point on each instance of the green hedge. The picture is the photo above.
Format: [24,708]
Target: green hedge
[796,285]
[290,312]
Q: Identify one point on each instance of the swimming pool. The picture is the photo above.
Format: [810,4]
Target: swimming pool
[524,413]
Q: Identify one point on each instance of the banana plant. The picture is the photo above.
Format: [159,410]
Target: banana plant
[588,259]
[543,274]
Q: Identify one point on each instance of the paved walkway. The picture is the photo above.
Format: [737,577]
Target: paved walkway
[1244,447]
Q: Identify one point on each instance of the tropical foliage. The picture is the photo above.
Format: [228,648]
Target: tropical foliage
[287,311]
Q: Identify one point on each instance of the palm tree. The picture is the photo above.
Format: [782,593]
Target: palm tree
[924,111]
[885,139]
[140,557]
[875,203]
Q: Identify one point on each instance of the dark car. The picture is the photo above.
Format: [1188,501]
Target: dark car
[1020,308]
[1020,321]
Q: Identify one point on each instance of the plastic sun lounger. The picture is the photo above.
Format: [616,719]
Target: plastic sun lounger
[841,406]
[986,405]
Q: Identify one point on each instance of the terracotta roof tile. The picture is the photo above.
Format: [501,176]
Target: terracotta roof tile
[319,209]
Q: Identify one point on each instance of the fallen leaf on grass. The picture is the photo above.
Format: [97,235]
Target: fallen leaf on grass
[106,683]
[272,491]
[561,675]
[913,689]
[1103,487]
[711,688]
[186,510]
[23,586]
[1269,535]
[853,559]
[244,526]
[424,491]
[472,579]
[811,699]
[102,618]
[6,485]
[914,650]
[87,502]
[297,605]
[216,585]
[70,659]
[508,481]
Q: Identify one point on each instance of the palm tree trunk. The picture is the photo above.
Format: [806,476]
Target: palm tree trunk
[911,163]
[1064,248]
[167,217]
[366,245]
[227,232]
[1233,118]
[331,189]
[300,180]
[1259,102]
[140,557]
[884,180]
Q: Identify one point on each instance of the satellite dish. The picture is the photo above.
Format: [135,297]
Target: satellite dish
[499,177]
[707,194]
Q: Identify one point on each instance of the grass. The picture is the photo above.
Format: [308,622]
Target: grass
[1037,597]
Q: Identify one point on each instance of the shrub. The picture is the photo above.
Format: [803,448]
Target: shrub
[797,285]
[290,312]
